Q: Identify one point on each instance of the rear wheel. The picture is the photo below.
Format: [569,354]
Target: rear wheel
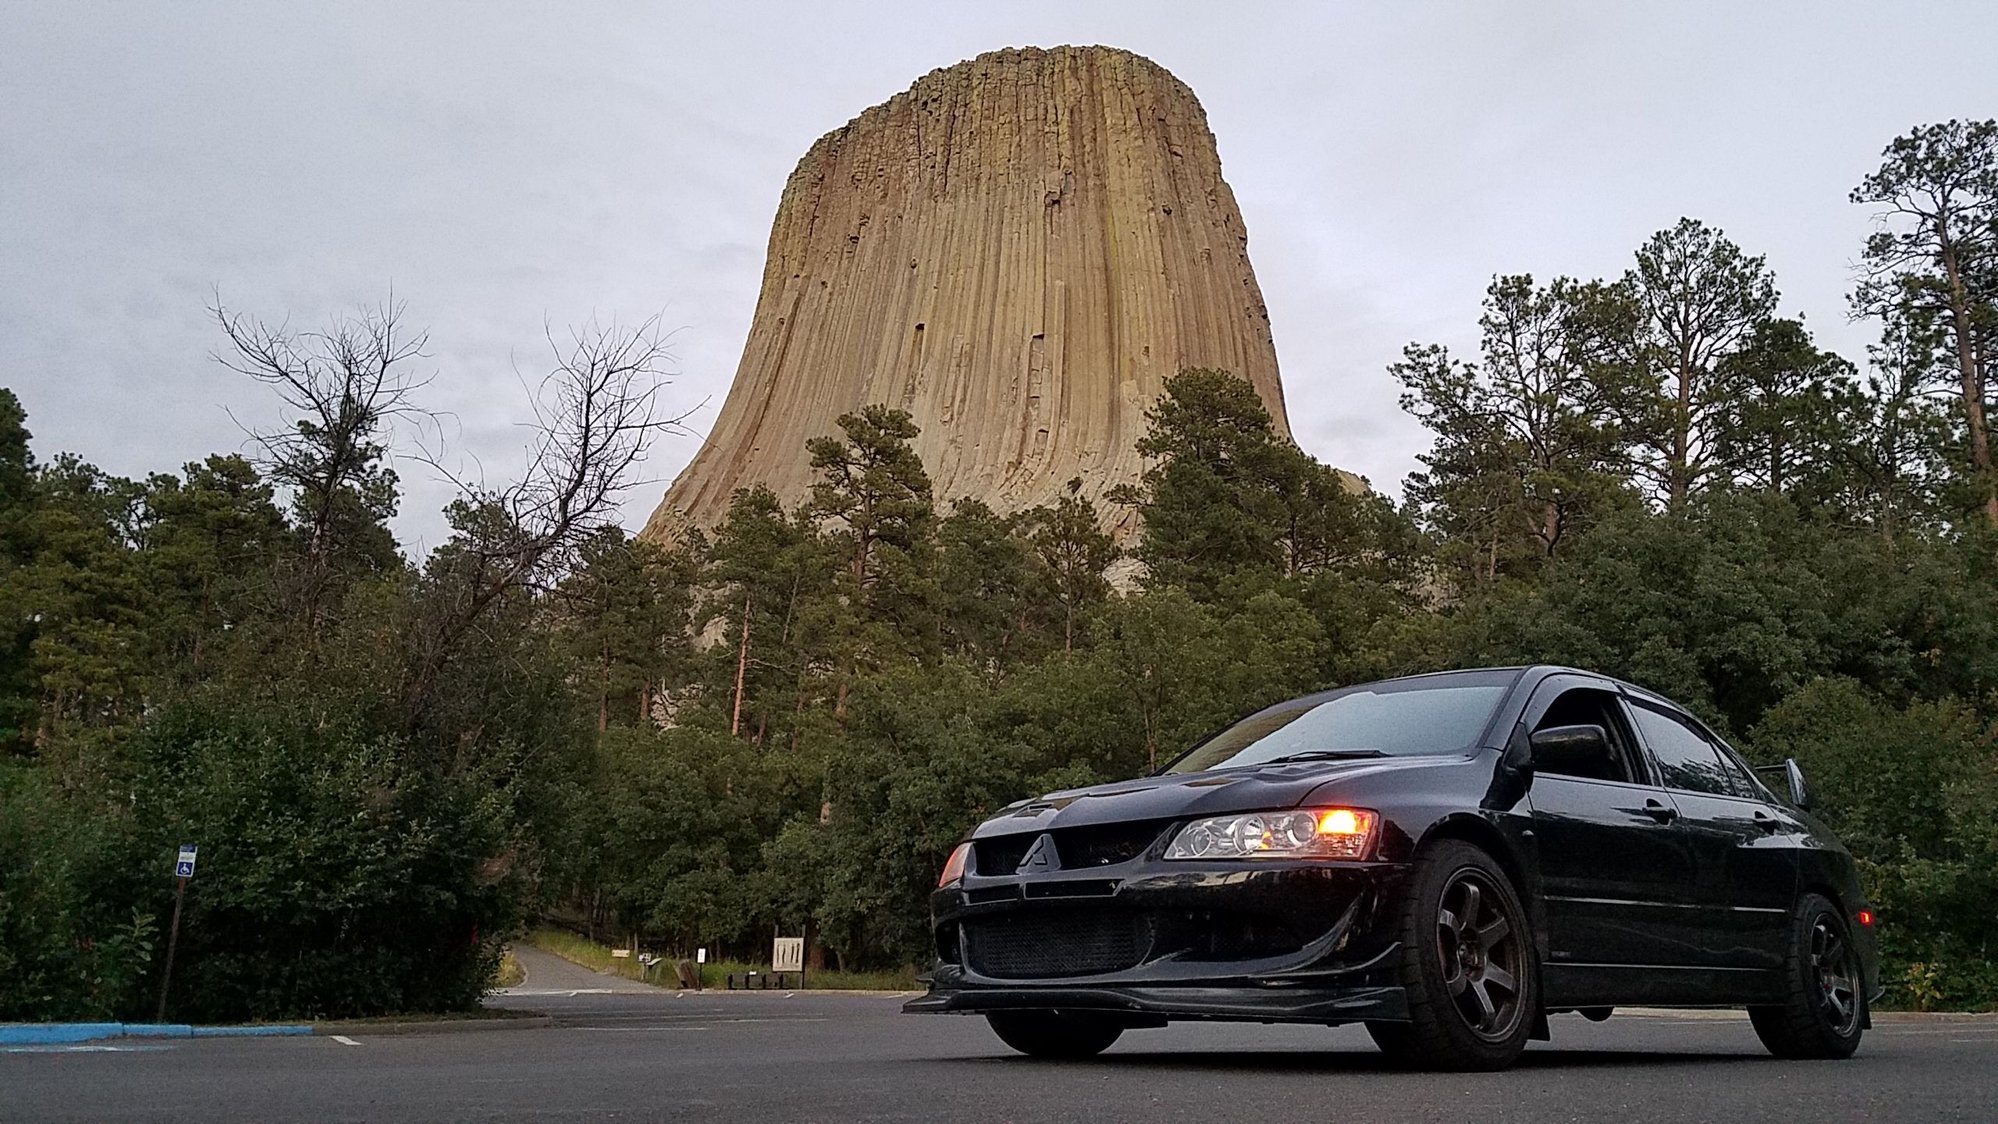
[1824,1004]
[1466,964]
[1054,1034]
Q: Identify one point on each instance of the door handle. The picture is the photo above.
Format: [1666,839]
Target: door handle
[1766,822]
[1660,811]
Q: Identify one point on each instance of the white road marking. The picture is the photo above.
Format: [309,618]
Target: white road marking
[344,1040]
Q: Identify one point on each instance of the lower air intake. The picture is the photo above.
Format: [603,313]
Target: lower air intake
[1055,945]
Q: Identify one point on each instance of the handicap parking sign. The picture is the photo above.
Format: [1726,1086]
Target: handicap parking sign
[183,867]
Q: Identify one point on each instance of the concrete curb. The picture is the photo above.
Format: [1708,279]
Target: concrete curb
[54,1034]
[64,1034]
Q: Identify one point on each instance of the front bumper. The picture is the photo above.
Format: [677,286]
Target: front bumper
[1309,941]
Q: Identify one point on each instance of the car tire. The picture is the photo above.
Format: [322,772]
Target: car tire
[1823,1012]
[1467,965]
[1054,1034]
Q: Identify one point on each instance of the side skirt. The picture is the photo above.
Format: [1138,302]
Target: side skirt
[1623,985]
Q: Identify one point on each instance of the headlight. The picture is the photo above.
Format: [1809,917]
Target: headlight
[1322,833]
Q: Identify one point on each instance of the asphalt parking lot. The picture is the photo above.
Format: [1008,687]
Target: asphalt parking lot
[644,1055]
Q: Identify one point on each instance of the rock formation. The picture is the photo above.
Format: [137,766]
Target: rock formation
[1018,250]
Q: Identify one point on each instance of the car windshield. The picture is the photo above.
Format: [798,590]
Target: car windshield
[1444,714]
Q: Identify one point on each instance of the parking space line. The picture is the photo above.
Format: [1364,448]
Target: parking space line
[344,1040]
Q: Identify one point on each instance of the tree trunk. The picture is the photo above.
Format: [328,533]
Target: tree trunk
[741,669]
[603,687]
[1973,382]
[1679,475]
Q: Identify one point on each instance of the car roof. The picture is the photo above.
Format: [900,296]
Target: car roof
[1535,672]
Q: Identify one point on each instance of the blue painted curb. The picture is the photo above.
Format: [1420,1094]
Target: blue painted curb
[49,1034]
[46,1034]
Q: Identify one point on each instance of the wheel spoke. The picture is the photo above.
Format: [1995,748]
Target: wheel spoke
[1495,932]
[1446,921]
[1496,976]
[1472,900]
[1487,1010]
[1455,984]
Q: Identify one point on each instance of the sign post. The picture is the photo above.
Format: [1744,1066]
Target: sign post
[183,869]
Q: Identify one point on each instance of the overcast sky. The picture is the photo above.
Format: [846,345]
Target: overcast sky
[505,165]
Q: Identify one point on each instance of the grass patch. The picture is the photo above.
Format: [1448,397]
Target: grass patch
[510,972]
[714,974]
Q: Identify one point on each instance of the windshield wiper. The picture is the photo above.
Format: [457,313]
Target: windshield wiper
[1325,755]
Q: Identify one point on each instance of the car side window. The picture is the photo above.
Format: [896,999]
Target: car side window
[1684,755]
[1584,706]
[1743,781]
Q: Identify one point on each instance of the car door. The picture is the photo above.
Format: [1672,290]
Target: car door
[1617,876]
[1743,846]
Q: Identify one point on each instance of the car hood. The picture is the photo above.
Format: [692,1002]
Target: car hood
[1185,795]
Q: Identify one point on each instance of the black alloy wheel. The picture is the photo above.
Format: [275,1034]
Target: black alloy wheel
[1054,1034]
[1471,980]
[1824,1008]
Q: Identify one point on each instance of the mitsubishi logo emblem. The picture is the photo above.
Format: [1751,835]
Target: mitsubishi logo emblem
[1039,857]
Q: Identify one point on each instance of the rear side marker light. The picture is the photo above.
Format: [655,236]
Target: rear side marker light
[1866,917]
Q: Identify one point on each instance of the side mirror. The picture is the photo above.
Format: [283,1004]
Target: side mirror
[1793,776]
[1800,793]
[1566,749]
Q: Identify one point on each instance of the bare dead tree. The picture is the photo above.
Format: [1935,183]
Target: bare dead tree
[343,388]
[595,414]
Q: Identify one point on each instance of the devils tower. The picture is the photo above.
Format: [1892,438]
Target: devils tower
[1018,250]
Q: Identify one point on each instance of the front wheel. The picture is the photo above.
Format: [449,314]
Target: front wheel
[1054,1034]
[1824,1005]
[1467,965]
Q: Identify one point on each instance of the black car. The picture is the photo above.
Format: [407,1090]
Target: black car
[1447,858]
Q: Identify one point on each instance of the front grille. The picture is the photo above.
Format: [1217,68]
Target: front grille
[1003,854]
[1104,845]
[1055,944]
[1078,847]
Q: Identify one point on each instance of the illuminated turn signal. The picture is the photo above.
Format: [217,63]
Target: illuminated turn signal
[953,870]
[1866,917]
[1345,821]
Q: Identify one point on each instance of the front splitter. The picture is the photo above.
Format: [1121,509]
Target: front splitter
[1236,1004]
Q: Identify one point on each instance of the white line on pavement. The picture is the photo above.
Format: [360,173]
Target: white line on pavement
[344,1040]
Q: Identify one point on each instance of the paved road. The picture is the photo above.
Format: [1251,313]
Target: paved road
[642,1055]
[547,972]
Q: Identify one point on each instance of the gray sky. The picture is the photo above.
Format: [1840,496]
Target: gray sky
[503,165]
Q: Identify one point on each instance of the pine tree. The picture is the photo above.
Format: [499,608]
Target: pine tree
[1933,266]
[1530,439]
[1701,300]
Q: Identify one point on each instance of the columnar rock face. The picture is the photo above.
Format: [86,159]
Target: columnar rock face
[1018,250]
